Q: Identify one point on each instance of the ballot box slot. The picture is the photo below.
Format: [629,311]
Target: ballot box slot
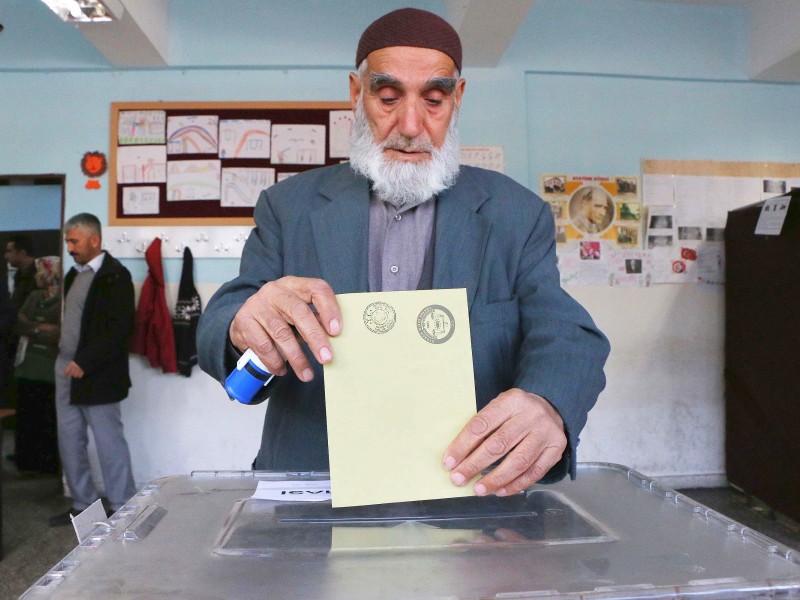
[426,510]
[268,528]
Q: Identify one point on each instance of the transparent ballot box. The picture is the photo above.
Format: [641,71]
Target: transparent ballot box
[612,533]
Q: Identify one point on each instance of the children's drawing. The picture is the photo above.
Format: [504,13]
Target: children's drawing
[193,180]
[341,122]
[192,134]
[244,138]
[140,200]
[298,144]
[241,186]
[141,127]
[141,164]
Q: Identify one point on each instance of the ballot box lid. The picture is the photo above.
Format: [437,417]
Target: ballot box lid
[611,533]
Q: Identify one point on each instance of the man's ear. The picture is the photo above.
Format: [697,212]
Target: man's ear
[355,89]
[461,84]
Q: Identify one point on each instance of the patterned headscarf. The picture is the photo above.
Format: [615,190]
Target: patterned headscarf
[48,271]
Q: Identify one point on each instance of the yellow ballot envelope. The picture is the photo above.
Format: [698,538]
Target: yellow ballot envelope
[398,390]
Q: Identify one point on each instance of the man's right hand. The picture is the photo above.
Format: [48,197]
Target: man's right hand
[267,322]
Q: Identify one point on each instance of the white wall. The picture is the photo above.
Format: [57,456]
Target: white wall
[176,424]
[586,87]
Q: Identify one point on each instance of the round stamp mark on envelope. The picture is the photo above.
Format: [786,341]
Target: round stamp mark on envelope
[379,317]
[436,324]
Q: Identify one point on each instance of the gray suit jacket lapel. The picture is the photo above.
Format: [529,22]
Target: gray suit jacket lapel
[341,232]
[461,237]
[341,235]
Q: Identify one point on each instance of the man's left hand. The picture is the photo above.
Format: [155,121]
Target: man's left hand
[520,426]
[73,370]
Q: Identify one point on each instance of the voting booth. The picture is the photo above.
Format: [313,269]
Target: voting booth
[612,533]
[762,387]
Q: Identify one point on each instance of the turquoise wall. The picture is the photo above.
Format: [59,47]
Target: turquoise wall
[586,86]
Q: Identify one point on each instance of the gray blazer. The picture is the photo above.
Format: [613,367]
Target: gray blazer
[492,236]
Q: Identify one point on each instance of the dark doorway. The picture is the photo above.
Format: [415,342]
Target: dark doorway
[31,205]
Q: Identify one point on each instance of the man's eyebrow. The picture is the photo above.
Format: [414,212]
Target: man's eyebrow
[444,84]
[379,80]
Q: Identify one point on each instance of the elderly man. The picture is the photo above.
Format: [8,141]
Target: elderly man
[404,215]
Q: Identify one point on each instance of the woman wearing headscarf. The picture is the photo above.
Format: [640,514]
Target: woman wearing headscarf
[39,323]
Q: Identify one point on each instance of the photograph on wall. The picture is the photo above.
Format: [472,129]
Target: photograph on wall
[594,208]
[631,268]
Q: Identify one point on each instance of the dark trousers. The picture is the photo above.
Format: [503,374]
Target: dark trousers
[36,446]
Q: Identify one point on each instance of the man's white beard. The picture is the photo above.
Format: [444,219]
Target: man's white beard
[404,184]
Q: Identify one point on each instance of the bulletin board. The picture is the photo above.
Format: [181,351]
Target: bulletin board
[687,204]
[190,163]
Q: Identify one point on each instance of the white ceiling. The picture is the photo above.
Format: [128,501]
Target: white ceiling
[140,37]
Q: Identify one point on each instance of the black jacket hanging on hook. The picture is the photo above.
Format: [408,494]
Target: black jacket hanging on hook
[187,314]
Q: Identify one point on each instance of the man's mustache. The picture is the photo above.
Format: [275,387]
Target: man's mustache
[399,142]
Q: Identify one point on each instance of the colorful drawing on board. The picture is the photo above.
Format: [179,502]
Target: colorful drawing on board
[298,144]
[141,164]
[141,127]
[244,138]
[192,134]
[242,186]
[140,200]
[193,180]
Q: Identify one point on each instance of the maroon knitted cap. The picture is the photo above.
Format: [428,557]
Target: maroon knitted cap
[410,27]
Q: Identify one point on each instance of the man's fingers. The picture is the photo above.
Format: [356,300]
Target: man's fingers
[320,295]
[524,466]
[520,430]
[279,317]
[293,301]
[250,329]
[469,443]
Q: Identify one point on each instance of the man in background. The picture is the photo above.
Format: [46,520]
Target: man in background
[404,215]
[92,373]
[19,255]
